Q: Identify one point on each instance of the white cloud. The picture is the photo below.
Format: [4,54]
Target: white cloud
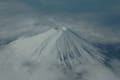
[116,65]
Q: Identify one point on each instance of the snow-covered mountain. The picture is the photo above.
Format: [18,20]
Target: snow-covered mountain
[57,54]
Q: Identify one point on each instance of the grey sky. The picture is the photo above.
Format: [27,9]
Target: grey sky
[91,16]
[107,11]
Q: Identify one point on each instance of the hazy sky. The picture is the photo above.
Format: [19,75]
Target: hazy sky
[108,11]
[95,17]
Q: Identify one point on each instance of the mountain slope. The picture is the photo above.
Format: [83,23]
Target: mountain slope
[58,54]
